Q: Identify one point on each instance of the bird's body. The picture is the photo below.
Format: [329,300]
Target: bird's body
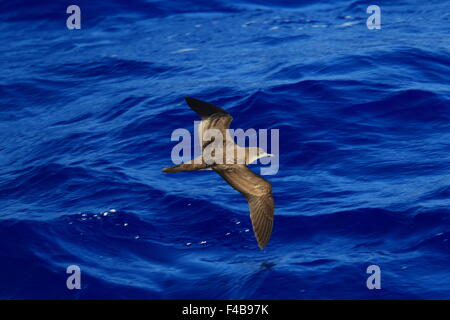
[229,160]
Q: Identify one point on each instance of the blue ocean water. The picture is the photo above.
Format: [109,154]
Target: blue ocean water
[85,122]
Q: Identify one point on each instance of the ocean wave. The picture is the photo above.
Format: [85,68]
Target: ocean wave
[86,118]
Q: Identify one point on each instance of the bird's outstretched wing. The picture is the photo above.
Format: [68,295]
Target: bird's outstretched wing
[258,192]
[212,117]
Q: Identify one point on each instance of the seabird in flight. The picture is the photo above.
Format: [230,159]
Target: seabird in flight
[256,189]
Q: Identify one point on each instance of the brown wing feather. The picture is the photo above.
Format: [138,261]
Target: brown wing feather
[217,121]
[258,192]
[261,214]
[212,117]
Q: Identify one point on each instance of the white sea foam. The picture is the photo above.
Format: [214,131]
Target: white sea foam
[184,50]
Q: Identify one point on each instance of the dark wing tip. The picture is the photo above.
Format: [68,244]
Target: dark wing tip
[202,108]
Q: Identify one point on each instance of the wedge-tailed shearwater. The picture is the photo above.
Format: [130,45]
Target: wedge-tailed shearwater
[256,189]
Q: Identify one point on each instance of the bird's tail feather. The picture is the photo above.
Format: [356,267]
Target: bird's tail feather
[185,167]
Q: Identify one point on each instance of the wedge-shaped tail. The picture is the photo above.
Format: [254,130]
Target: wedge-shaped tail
[185,167]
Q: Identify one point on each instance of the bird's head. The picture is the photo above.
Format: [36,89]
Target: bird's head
[262,153]
[257,153]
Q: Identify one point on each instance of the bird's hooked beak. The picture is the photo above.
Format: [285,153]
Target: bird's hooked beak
[268,155]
